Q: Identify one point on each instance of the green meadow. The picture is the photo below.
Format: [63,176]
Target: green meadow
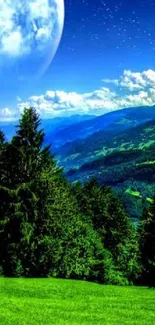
[69,302]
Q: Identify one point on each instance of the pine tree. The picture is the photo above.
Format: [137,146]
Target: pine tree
[49,227]
[2,137]
[112,223]
[34,157]
[43,232]
[147,245]
[23,162]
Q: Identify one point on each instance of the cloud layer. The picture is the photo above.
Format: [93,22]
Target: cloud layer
[130,90]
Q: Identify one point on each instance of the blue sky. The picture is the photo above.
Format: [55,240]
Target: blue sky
[105,59]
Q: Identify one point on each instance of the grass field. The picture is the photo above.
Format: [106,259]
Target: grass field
[65,302]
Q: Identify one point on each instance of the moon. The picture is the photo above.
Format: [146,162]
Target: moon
[30,33]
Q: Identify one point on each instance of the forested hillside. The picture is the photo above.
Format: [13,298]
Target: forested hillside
[117,148]
[125,161]
[49,227]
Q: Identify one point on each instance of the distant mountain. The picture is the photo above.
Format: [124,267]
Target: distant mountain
[137,143]
[51,126]
[115,121]
[62,130]
[56,130]
[122,157]
[106,127]
[127,163]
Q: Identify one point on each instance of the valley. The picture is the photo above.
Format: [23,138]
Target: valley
[117,148]
[123,158]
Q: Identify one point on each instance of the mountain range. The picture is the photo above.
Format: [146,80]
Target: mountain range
[121,154]
[118,148]
[52,126]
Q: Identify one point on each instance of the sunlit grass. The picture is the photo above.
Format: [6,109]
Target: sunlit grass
[65,302]
[133,193]
[146,163]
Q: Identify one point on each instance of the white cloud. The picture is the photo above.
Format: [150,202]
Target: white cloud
[6,114]
[138,90]
[110,81]
[134,80]
[25,23]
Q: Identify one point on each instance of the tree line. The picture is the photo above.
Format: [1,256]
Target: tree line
[52,228]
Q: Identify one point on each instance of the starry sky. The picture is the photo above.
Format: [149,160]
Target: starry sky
[102,38]
[105,60]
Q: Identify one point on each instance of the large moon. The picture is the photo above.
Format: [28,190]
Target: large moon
[30,32]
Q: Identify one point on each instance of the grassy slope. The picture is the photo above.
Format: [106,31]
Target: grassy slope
[102,144]
[123,161]
[53,301]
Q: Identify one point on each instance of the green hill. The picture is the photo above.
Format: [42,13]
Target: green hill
[112,122]
[103,143]
[125,161]
[65,302]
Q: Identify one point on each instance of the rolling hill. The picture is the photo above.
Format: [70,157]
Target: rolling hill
[115,121]
[127,163]
[124,160]
[105,143]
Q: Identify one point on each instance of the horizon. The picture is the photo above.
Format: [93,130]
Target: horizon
[91,114]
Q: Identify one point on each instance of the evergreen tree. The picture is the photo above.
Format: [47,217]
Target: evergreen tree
[23,162]
[147,245]
[43,231]
[2,137]
[112,224]
[34,157]
[49,227]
